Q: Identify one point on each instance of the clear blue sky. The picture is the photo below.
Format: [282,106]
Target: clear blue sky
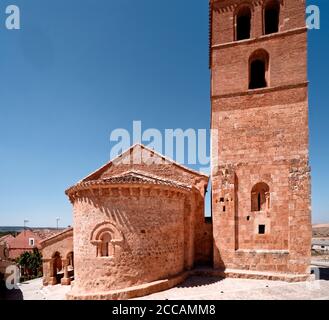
[79,69]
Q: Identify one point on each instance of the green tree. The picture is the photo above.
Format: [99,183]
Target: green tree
[30,262]
[35,261]
[23,261]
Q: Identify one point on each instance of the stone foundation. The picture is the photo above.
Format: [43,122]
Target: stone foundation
[132,292]
[249,274]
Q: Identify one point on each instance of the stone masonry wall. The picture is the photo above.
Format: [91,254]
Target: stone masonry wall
[151,227]
[262,138]
[204,244]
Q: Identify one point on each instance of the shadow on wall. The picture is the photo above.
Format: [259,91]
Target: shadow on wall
[195,281]
[115,215]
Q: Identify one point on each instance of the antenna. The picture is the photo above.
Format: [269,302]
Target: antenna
[57,220]
[25,222]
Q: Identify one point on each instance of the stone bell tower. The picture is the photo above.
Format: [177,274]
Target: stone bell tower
[260,163]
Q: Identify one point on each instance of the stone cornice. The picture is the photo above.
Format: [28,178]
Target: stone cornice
[292,161]
[128,179]
[259,39]
[230,5]
[260,91]
[126,190]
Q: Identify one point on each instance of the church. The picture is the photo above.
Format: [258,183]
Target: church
[138,222]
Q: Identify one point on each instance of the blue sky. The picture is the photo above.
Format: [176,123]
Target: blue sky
[79,69]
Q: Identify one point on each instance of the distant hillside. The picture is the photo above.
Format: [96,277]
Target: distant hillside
[18,229]
[321,230]
[11,229]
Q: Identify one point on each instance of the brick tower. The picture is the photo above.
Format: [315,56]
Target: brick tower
[260,165]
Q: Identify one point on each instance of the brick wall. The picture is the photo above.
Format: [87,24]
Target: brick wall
[292,16]
[263,138]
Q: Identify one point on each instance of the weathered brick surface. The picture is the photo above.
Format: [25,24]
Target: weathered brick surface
[147,253]
[152,211]
[203,243]
[292,17]
[230,63]
[263,137]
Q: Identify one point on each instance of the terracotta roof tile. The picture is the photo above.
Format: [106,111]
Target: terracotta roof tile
[46,233]
[130,177]
[96,174]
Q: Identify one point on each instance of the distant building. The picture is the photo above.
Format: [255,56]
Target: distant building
[57,257]
[320,244]
[26,240]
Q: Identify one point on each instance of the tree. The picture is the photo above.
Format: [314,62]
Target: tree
[35,261]
[23,261]
[30,262]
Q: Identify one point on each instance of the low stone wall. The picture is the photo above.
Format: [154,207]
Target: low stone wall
[133,292]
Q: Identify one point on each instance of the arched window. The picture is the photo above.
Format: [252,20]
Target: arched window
[243,23]
[106,237]
[271,16]
[258,69]
[106,248]
[260,197]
